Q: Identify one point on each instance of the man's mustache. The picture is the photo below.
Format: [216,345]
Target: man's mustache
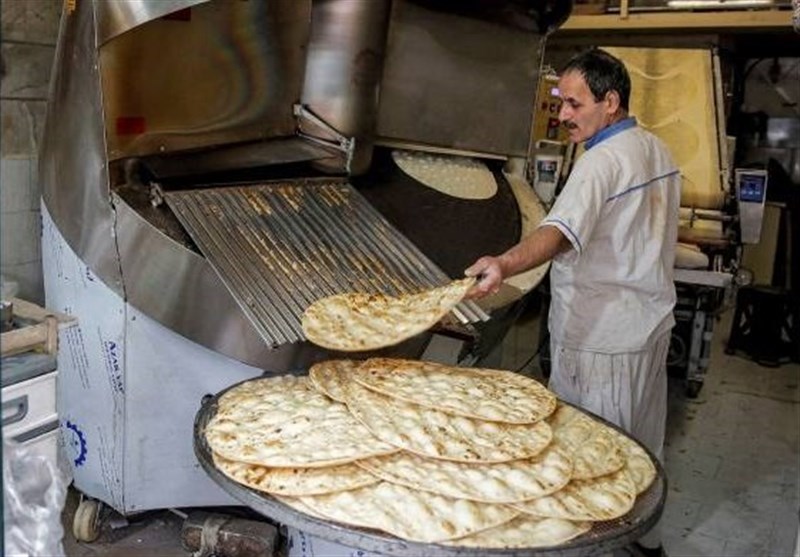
[570,125]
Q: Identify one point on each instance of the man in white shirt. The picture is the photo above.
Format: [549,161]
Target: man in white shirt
[611,236]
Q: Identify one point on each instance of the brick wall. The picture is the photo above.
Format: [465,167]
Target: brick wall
[28,33]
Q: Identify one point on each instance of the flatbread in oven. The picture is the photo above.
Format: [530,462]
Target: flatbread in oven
[456,176]
[484,394]
[355,321]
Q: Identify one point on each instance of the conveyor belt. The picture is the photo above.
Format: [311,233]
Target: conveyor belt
[278,247]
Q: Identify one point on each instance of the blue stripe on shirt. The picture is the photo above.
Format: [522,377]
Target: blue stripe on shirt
[640,186]
[566,226]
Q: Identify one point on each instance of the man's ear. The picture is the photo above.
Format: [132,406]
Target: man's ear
[612,101]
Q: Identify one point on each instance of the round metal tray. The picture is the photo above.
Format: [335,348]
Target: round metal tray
[602,538]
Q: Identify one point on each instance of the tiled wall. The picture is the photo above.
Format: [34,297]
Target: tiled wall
[28,33]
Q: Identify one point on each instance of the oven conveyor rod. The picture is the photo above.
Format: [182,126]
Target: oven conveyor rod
[278,247]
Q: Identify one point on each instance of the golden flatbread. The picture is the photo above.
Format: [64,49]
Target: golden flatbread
[525,531]
[597,456]
[298,505]
[327,376]
[355,321]
[435,434]
[591,444]
[506,482]
[484,394]
[409,514]
[284,422]
[637,462]
[295,482]
[603,498]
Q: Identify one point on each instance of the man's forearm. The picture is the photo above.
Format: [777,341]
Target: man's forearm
[538,247]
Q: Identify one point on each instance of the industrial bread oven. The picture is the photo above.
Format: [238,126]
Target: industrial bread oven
[211,167]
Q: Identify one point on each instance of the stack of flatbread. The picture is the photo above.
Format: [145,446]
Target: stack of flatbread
[428,453]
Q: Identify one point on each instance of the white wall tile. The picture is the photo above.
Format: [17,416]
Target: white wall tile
[19,187]
[32,20]
[27,70]
[22,125]
[20,238]
[29,278]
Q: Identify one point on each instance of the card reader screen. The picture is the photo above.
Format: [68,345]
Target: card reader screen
[752,187]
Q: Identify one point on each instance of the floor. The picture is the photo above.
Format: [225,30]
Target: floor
[732,454]
[732,461]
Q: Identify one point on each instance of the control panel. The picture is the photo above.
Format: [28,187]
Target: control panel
[751,192]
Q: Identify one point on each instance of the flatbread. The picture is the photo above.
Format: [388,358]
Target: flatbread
[637,462]
[435,434]
[598,449]
[597,456]
[409,514]
[298,505]
[592,445]
[525,531]
[507,482]
[603,498]
[456,176]
[327,376]
[295,482]
[283,422]
[485,394]
[354,321]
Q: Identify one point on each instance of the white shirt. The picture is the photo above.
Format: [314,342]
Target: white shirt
[614,291]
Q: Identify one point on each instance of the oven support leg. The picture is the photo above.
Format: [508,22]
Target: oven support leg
[700,349]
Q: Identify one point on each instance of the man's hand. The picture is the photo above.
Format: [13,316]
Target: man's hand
[540,246]
[490,276]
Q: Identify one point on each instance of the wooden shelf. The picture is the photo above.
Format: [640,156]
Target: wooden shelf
[751,20]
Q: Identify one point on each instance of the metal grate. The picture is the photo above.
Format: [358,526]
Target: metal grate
[278,247]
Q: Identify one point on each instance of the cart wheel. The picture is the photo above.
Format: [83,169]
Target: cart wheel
[86,524]
[693,388]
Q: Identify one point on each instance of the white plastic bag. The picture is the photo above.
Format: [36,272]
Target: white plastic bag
[34,491]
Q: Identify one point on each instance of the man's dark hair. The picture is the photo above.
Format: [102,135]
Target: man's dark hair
[603,73]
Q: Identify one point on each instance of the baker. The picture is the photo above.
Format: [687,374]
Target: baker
[611,237]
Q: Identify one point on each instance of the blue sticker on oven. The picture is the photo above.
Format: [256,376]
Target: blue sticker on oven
[76,443]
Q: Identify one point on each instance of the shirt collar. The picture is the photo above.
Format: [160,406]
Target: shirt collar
[610,131]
